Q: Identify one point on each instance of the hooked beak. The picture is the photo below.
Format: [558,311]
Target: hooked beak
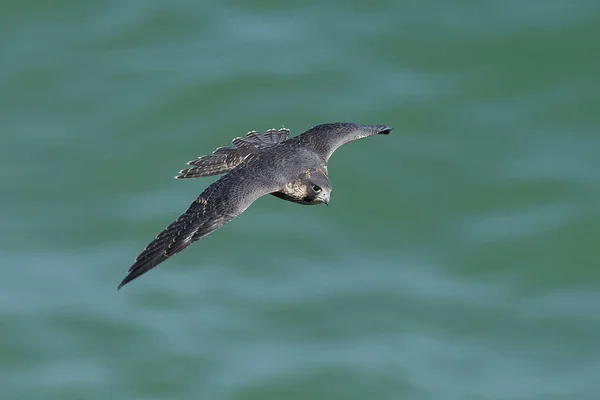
[324,197]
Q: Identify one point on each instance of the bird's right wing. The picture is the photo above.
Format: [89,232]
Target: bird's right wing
[225,159]
[218,204]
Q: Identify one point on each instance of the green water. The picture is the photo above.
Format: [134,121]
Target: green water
[458,258]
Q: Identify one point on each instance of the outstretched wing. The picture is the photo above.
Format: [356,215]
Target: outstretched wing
[225,159]
[218,204]
[325,139]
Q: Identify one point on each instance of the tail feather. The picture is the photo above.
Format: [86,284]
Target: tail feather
[224,159]
[213,164]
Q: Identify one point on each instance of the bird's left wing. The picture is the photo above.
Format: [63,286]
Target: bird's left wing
[325,139]
[218,204]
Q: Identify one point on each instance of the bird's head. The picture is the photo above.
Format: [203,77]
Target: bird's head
[310,187]
[316,188]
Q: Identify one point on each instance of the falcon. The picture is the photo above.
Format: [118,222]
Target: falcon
[292,169]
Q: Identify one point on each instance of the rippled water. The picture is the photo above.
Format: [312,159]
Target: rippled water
[458,258]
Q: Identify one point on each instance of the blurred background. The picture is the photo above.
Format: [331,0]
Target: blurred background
[458,258]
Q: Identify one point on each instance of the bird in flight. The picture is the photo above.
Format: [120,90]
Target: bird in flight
[293,169]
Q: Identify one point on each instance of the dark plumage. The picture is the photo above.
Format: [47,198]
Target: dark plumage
[258,164]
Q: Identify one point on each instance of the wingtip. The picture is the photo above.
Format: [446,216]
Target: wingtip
[126,280]
[384,129]
[123,282]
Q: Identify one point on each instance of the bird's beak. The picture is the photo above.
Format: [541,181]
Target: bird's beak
[324,197]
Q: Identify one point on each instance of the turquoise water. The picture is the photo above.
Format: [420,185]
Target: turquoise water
[458,258]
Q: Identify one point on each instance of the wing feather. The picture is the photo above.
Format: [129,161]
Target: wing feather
[325,139]
[221,202]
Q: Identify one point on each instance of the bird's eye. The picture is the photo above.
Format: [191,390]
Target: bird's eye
[316,188]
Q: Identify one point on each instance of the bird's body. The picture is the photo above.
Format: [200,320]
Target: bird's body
[270,163]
